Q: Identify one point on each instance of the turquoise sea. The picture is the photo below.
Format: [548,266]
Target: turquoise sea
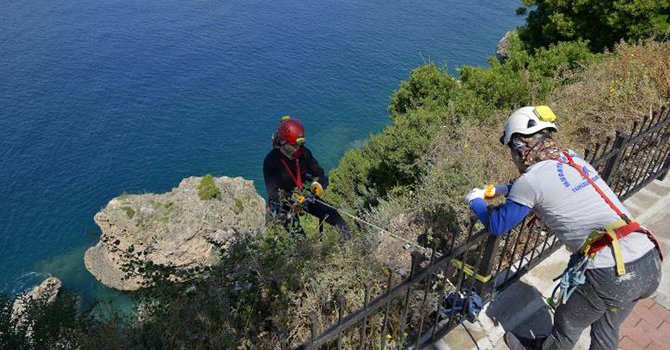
[102,97]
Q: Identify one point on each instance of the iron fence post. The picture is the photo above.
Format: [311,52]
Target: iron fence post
[283,337]
[312,328]
[613,163]
[610,160]
[339,299]
[666,165]
[487,262]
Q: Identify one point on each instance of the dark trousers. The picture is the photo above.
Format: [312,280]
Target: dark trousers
[330,216]
[603,303]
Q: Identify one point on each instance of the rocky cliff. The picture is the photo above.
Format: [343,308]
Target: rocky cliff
[41,295]
[176,229]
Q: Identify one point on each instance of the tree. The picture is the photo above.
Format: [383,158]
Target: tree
[601,22]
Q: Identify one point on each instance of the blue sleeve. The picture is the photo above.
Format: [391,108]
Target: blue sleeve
[503,218]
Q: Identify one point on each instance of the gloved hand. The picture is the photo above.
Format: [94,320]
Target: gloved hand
[317,189]
[492,191]
[474,194]
[298,197]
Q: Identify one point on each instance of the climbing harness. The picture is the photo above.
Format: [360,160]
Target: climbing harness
[613,232]
[574,274]
[311,198]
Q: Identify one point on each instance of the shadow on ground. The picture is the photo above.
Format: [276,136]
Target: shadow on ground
[520,309]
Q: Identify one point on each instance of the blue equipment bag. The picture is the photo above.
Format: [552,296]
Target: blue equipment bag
[469,304]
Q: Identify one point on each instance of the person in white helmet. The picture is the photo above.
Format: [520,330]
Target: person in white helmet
[614,254]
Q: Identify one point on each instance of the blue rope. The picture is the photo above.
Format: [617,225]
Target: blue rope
[573,276]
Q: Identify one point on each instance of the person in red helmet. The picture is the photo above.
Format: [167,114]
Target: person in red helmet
[290,167]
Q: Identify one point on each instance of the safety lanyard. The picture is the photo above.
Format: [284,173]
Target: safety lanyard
[297,178]
[571,163]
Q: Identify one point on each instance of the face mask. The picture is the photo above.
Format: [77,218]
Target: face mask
[535,149]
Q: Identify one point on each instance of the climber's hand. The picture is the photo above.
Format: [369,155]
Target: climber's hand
[474,194]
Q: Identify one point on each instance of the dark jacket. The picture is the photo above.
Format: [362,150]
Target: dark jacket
[277,178]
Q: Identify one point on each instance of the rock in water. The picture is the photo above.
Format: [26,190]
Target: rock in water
[176,229]
[42,295]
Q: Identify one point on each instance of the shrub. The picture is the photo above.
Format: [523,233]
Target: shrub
[432,101]
[207,189]
[58,324]
[130,212]
[601,22]
[389,162]
[427,87]
[524,78]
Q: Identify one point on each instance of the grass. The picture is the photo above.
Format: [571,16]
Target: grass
[627,84]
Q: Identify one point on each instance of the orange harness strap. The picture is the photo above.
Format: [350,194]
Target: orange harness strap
[630,226]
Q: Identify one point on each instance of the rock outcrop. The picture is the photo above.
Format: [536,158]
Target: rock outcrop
[502,51]
[43,294]
[176,229]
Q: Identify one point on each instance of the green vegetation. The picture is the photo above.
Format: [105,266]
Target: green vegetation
[207,189]
[410,179]
[58,325]
[129,211]
[264,285]
[432,102]
[602,22]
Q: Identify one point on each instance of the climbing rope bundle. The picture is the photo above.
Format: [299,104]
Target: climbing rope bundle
[573,277]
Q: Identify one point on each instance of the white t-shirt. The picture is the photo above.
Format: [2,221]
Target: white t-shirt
[572,209]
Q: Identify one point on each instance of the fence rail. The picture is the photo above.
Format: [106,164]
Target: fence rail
[409,314]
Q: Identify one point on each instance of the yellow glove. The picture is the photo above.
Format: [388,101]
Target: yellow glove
[491,191]
[298,197]
[317,189]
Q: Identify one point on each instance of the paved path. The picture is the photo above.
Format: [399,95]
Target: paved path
[520,308]
[648,326]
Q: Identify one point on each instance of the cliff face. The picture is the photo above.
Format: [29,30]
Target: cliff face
[176,229]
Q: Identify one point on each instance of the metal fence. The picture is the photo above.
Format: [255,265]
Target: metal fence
[409,313]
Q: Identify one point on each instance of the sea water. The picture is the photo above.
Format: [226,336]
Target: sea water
[104,97]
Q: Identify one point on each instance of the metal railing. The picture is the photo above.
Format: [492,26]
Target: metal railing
[409,314]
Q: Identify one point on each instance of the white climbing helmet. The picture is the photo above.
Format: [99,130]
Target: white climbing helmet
[527,121]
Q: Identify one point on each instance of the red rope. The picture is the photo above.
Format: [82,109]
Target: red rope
[297,179]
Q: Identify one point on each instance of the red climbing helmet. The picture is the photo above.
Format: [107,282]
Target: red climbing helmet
[291,131]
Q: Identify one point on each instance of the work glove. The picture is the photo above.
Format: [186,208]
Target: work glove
[474,194]
[493,191]
[317,189]
[298,197]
